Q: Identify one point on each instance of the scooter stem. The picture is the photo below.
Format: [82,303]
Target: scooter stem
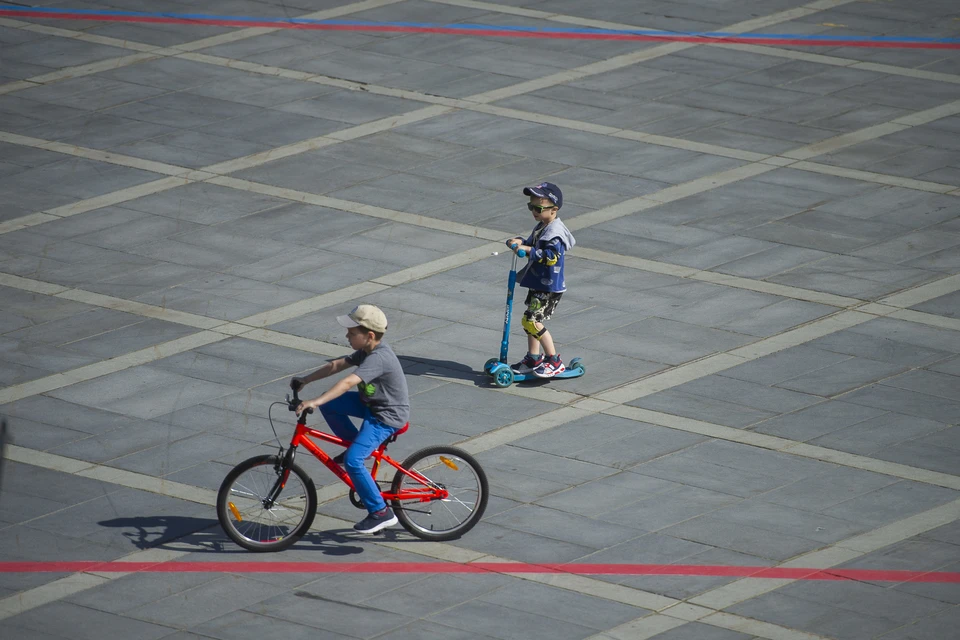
[511,285]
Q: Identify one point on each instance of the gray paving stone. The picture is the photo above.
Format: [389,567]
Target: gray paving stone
[710,530]
[700,631]
[204,203]
[423,630]
[817,420]
[713,410]
[806,615]
[207,601]
[610,493]
[327,614]
[878,348]
[948,305]
[829,488]
[936,384]
[761,514]
[134,337]
[890,503]
[913,334]
[750,394]
[784,365]
[726,307]
[172,74]
[656,513]
[912,403]
[559,604]
[259,90]
[717,252]
[273,127]
[586,532]
[865,599]
[69,620]
[951,366]
[170,457]
[835,379]
[243,625]
[928,628]
[666,341]
[502,622]
[143,392]
[682,468]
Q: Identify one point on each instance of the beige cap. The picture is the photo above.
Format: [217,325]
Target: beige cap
[366,316]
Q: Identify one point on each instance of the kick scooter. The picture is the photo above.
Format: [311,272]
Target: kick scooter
[498,368]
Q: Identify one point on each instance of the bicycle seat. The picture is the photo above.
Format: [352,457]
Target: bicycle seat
[402,429]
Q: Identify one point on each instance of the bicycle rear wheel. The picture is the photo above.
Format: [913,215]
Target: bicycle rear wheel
[446,468]
[254,523]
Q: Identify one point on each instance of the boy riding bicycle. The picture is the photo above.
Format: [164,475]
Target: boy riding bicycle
[381,401]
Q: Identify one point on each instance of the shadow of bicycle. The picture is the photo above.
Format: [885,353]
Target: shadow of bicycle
[204,535]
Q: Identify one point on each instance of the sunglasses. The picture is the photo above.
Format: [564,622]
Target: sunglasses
[538,208]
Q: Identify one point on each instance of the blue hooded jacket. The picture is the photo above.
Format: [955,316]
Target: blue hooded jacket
[544,268]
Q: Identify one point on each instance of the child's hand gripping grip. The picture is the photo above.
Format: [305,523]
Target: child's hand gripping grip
[521,253]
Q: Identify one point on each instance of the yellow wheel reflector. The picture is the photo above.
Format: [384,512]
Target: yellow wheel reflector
[235,511]
[450,463]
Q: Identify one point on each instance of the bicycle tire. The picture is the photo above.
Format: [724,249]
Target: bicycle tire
[252,526]
[456,515]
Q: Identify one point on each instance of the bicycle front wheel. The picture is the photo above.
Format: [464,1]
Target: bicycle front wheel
[448,468]
[256,523]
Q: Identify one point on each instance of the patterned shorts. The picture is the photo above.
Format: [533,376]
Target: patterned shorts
[541,304]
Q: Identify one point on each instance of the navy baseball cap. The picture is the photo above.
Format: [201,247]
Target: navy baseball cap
[546,190]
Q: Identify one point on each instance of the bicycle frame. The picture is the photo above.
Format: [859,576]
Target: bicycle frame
[302,436]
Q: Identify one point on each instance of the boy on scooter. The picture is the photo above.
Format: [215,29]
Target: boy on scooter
[543,277]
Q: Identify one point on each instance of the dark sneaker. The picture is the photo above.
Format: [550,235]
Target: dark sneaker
[339,458]
[376,521]
[549,368]
[527,365]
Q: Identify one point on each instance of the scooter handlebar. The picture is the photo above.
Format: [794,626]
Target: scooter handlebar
[521,253]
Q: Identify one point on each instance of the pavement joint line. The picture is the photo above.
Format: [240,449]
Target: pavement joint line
[849,549]
[148,53]
[105,367]
[705,607]
[784,445]
[188,48]
[642,628]
[877,178]
[78,35]
[763,165]
[739,622]
[757,628]
[94,154]
[760,164]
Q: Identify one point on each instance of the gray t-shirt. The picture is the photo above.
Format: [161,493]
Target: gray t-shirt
[384,387]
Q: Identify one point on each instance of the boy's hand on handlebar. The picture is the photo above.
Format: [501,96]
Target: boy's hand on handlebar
[306,405]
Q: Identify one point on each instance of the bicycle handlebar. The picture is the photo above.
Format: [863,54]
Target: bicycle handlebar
[293,403]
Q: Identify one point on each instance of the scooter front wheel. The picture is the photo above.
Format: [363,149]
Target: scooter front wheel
[503,377]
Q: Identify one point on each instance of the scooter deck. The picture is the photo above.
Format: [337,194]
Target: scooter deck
[504,377]
[567,373]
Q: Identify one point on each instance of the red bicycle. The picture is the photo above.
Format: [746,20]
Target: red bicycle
[268,502]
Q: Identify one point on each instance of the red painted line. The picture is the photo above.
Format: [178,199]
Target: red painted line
[493,32]
[484,567]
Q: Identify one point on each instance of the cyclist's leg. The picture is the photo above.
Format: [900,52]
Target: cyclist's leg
[337,413]
[371,434]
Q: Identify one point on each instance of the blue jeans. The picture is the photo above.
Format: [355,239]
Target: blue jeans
[372,432]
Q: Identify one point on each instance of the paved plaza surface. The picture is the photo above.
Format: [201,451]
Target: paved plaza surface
[765,291]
